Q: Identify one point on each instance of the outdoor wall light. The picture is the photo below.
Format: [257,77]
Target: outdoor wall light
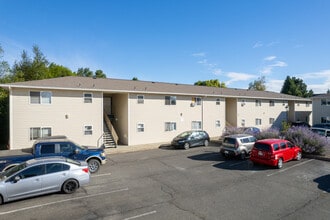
[66,116]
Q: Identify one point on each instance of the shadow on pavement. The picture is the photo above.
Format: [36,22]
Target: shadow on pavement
[324,183]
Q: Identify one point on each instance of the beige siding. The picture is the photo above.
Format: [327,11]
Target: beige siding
[66,115]
[319,110]
[153,113]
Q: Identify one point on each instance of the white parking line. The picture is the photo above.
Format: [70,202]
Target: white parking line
[65,200]
[103,174]
[142,215]
[282,170]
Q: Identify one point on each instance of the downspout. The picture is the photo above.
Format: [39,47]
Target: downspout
[11,129]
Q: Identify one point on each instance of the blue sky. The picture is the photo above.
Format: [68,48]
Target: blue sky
[177,41]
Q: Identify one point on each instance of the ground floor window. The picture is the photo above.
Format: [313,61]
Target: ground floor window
[217,124]
[88,130]
[39,132]
[140,127]
[170,126]
[271,120]
[258,121]
[196,125]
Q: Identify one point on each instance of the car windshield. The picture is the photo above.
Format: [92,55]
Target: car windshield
[12,170]
[184,134]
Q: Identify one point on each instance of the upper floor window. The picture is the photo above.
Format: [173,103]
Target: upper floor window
[271,103]
[258,121]
[218,101]
[308,104]
[197,100]
[258,102]
[140,99]
[217,124]
[88,97]
[170,100]
[43,97]
[325,102]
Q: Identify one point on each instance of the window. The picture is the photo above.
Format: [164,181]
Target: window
[170,126]
[258,102]
[325,102]
[42,97]
[282,145]
[36,133]
[32,172]
[88,97]
[196,125]
[170,100]
[67,148]
[140,127]
[271,121]
[217,124]
[140,99]
[47,149]
[56,167]
[88,130]
[271,103]
[258,121]
[197,100]
[218,101]
[243,102]
[276,147]
[308,104]
[243,123]
[325,119]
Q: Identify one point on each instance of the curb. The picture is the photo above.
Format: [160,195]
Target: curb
[317,157]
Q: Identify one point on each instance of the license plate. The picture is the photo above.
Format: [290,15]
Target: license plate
[260,153]
[226,152]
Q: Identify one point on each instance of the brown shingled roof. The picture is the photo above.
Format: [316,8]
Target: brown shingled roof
[136,86]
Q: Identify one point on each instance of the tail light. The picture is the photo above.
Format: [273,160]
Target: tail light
[236,144]
[86,170]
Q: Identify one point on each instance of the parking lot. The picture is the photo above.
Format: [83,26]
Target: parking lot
[188,184]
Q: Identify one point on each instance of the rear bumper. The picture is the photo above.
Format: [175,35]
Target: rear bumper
[229,152]
[271,162]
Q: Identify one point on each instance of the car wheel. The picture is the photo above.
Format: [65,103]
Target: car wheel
[279,163]
[70,186]
[186,146]
[298,157]
[93,165]
[206,143]
[243,155]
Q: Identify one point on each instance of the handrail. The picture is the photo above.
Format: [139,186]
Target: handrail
[99,140]
[111,128]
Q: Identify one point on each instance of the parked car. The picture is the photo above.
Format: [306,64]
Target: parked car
[250,130]
[42,176]
[324,132]
[274,152]
[54,146]
[189,139]
[322,125]
[300,124]
[237,145]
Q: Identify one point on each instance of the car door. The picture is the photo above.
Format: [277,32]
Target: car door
[291,151]
[25,183]
[55,175]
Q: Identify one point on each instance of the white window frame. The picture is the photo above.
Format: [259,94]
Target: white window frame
[170,126]
[140,127]
[271,103]
[258,102]
[271,121]
[88,129]
[44,97]
[198,100]
[140,99]
[170,100]
[41,132]
[217,123]
[218,101]
[196,125]
[88,99]
[258,121]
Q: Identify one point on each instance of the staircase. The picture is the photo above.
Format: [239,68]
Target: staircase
[110,137]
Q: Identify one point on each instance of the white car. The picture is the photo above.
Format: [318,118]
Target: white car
[42,176]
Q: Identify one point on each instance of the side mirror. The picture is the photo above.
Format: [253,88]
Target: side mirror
[16,179]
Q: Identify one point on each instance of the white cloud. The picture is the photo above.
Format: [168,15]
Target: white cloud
[235,77]
[279,64]
[258,44]
[270,58]
[202,54]
[274,85]
[313,80]
[217,71]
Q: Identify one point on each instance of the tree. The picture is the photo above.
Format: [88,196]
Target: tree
[295,86]
[55,70]
[86,72]
[100,74]
[258,84]
[211,83]
[4,66]
[135,79]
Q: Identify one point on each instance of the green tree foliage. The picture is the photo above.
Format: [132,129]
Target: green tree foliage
[258,84]
[211,83]
[295,86]
[135,79]
[85,72]
[55,71]
[100,74]
[4,66]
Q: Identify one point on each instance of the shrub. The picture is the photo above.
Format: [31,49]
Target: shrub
[269,133]
[309,141]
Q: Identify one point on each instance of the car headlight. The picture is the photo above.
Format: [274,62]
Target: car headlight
[103,154]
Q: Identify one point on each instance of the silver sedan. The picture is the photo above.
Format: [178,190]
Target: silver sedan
[42,176]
